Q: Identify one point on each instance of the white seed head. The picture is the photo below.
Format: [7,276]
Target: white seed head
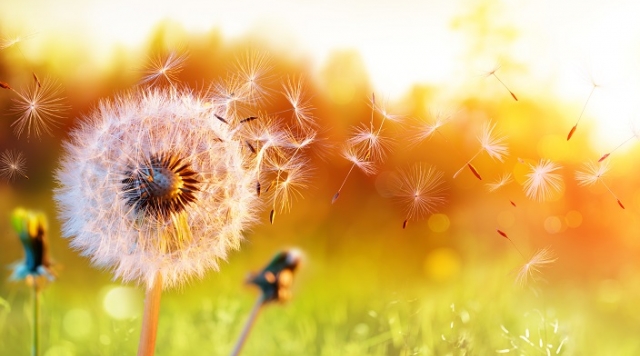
[152,182]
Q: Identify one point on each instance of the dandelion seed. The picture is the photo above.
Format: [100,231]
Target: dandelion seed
[493,73]
[594,85]
[593,173]
[253,70]
[7,42]
[425,130]
[12,164]
[636,134]
[500,182]
[504,234]
[293,91]
[164,68]
[490,143]
[542,181]
[531,270]
[39,107]
[4,85]
[420,189]
[366,146]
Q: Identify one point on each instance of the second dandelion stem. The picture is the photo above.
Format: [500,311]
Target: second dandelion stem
[248,325]
[35,347]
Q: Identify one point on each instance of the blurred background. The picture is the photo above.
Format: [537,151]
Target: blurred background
[445,283]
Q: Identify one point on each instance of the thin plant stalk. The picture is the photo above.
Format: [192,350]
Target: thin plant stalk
[613,150]
[147,344]
[468,164]
[584,107]
[248,325]
[35,347]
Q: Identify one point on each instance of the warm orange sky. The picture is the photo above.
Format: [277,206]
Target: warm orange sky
[547,48]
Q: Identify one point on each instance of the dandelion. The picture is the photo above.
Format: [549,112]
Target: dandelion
[593,173]
[493,73]
[531,270]
[32,228]
[367,145]
[420,189]
[164,69]
[275,282]
[39,106]
[11,41]
[594,85]
[494,145]
[12,164]
[542,182]
[157,186]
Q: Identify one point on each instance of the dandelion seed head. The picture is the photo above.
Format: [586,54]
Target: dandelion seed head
[541,181]
[152,182]
[253,69]
[424,130]
[371,140]
[302,110]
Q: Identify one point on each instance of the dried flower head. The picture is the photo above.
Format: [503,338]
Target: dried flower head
[32,227]
[542,181]
[12,164]
[157,181]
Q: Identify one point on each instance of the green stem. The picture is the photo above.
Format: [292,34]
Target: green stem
[36,319]
[247,326]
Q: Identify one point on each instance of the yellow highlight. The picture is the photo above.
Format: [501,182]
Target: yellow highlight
[122,302]
[77,323]
[439,222]
[573,219]
[442,264]
[553,147]
[553,224]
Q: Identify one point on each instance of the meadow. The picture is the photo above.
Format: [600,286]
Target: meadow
[381,274]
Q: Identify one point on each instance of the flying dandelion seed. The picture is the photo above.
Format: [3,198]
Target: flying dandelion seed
[367,146]
[531,270]
[293,91]
[420,189]
[594,85]
[542,182]
[253,69]
[493,73]
[500,182]
[636,134]
[424,130]
[164,68]
[494,145]
[12,164]
[39,106]
[593,173]
[7,42]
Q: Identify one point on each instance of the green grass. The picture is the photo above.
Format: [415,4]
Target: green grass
[338,313]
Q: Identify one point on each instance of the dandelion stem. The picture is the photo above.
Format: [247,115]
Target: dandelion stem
[248,325]
[467,163]
[335,197]
[505,86]
[35,347]
[611,192]
[584,107]
[613,150]
[147,344]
